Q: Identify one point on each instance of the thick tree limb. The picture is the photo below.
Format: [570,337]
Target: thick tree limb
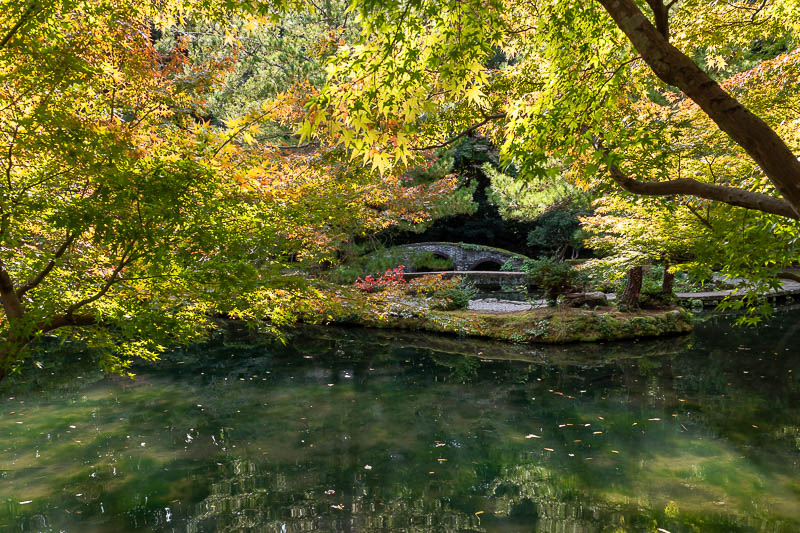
[760,142]
[11,303]
[62,321]
[719,193]
[661,16]
[463,133]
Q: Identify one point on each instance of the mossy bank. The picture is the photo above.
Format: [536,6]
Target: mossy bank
[550,325]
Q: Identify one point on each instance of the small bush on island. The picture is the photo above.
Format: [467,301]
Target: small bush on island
[454,297]
[554,277]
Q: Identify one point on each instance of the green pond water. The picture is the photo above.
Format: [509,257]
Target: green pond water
[352,430]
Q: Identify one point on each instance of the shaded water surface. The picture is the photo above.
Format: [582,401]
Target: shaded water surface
[348,430]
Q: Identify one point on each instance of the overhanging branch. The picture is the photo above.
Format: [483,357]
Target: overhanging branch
[719,193]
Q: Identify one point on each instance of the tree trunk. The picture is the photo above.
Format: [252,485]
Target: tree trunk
[760,141]
[668,282]
[630,297]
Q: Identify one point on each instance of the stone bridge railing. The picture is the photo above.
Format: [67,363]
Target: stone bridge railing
[482,280]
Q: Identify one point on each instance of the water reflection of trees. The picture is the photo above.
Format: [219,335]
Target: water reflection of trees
[393,396]
[513,489]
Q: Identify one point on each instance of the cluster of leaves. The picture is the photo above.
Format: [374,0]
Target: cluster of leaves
[390,278]
[557,231]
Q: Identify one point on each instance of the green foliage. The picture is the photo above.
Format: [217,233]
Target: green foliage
[359,264]
[554,277]
[428,262]
[564,94]
[556,231]
[455,297]
[528,199]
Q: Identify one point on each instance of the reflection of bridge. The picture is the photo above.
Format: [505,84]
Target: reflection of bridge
[465,257]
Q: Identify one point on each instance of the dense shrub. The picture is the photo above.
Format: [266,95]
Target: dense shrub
[554,277]
[453,297]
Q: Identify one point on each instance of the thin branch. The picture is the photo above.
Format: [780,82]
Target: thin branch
[463,133]
[32,284]
[112,279]
[693,211]
[26,16]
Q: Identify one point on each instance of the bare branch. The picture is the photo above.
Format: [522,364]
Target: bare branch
[661,16]
[66,320]
[463,133]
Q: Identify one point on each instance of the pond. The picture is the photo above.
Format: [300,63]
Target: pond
[352,430]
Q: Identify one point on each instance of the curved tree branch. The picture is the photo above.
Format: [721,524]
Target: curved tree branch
[719,193]
[749,131]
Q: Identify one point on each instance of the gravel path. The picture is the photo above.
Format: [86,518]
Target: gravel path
[504,306]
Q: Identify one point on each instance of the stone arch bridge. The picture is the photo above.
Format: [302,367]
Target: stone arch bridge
[465,257]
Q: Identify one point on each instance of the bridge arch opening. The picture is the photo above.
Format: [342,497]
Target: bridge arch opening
[487,265]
